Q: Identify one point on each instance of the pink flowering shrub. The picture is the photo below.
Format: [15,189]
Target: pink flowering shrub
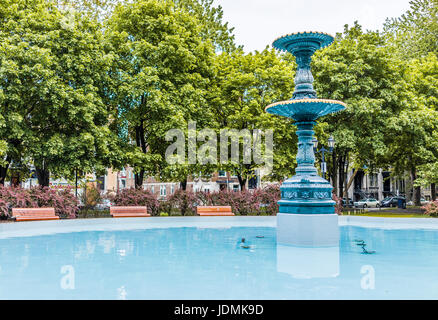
[137,197]
[431,209]
[267,199]
[241,202]
[259,201]
[4,211]
[184,201]
[338,206]
[63,200]
[203,198]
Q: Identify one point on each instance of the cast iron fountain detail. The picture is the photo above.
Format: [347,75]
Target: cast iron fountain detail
[306,193]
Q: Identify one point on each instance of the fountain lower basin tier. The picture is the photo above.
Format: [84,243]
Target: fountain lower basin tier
[305,109]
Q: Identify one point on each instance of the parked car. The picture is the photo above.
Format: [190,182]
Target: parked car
[367,203]
[348,204]
[422,201]
[391,201]
[104,205]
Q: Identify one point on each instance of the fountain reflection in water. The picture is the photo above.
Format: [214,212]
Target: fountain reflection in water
[308,263]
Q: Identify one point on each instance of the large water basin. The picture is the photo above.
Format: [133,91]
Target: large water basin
[203,258]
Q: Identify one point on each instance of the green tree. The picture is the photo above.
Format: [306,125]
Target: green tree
[52,65]
[212,25]
[415,33]
[246,84]
[361,71]
[99,9]
[210,16]
[413,135]
[161,77]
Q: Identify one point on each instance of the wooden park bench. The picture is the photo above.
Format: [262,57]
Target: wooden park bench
[129,212]
[214,211]
[34,214]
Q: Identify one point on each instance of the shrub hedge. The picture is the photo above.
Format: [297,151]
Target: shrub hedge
[63,200]
[431,209]
[255,202]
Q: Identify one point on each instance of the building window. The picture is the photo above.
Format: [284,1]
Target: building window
[153,189]
[207,190]
[162,190]
[172,189]
[235,187]
[222,173]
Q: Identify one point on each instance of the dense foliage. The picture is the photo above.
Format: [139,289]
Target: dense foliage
[431,209]
[63,200]
[87,85]
[136,197]
[258,202]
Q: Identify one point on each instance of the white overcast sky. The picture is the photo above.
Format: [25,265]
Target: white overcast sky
[258,22]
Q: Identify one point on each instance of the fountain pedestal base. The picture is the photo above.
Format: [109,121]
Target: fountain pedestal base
[313,230]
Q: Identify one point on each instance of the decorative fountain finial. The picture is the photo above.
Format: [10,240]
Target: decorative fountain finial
[307,215]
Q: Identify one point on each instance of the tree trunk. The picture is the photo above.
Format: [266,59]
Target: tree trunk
[417,190]
[141,143]
[433,191]
[4,171]
[76,183]
[242,182]
[183,185]
[350,181]
[341,170]
[139,177]
[43,176]
[417,196]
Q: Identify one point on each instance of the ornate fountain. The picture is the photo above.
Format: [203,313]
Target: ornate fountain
[306,216]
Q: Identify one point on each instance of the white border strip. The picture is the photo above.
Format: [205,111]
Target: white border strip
[389,223]
[36,228]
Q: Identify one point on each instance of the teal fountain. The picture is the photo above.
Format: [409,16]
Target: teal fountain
[306,210]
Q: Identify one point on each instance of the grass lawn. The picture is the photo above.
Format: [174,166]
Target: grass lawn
[387,215]
[409,212]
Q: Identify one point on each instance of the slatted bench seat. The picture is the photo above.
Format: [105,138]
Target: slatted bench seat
[34,214]
[129,212]
[214,211]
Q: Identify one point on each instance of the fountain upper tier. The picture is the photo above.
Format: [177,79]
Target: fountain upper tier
[304,105]
[303,41]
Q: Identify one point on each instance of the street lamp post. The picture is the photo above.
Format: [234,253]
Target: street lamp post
[331,145]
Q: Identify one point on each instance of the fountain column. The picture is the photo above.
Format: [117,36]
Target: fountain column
[306,210]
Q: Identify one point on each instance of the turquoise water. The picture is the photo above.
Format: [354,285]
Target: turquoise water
[197,263]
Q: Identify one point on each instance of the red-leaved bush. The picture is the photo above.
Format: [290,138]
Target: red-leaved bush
[258,201]
[241,202]
[184,201]
[268,198]
[137,197]
[63,200]
[431,209]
